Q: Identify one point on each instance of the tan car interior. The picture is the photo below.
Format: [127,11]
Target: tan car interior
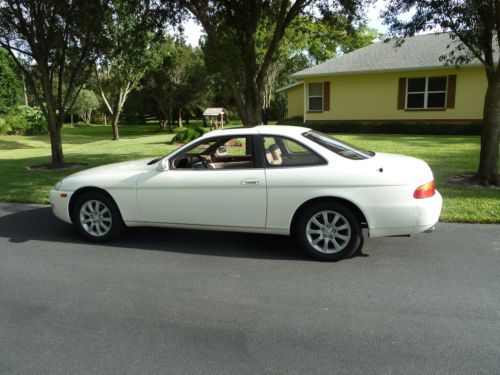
[236,153]
[237,156]
[274,155]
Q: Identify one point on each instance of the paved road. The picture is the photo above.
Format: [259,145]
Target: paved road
[192,302]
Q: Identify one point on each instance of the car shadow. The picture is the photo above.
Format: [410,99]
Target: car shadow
[39,224]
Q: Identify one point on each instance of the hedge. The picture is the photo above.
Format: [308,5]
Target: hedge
[391,127]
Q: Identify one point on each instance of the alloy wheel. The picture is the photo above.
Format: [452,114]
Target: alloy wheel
[328,232]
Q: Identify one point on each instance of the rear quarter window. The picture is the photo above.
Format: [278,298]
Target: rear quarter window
[343,149]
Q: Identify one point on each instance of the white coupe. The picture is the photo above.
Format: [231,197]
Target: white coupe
[267,179]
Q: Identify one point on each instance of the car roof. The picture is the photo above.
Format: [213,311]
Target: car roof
[261,129]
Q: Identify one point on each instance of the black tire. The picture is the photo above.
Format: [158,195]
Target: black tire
[350,243]
[111,217]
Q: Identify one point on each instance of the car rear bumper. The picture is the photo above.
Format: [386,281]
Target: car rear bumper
[427,213]
[426,216]
[59,200]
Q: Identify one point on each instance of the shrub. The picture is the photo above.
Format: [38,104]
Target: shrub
[296,120]
[4,127]
[85,103]
[11,84]
[185,135]
[178,130]
[395,127]
[25,120]
[17,123]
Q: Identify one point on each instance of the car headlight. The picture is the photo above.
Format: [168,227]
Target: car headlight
[58,185]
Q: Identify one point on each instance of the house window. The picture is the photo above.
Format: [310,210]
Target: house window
[316,97]
[426,93]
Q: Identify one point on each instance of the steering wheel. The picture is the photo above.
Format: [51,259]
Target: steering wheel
[203,161]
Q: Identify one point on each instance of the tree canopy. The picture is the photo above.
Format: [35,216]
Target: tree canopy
[10,83]
[245,56]
[85,103]
[54,43]
[179,81]
[124,45]
[130,53]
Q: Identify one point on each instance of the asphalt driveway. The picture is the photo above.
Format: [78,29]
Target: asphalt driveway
[192,302]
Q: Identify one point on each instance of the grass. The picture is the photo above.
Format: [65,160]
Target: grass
[92,145]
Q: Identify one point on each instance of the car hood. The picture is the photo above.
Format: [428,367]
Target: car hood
[122,174]
[131,165]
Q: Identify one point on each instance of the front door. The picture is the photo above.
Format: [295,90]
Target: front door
[214,183]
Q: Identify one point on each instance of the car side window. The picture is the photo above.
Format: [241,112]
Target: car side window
[229,152]
[286,152]
[235,147]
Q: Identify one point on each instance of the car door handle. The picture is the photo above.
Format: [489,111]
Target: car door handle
[250,181]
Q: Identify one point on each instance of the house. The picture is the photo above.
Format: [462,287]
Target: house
[383,83]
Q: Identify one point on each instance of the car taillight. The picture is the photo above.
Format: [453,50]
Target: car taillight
[425,191]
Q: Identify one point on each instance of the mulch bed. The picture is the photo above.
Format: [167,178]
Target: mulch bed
[48,168]
[467,179]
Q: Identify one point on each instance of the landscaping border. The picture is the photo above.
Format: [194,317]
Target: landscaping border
[461,127]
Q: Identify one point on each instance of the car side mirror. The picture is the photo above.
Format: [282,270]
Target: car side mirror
[221,151]
[162,165]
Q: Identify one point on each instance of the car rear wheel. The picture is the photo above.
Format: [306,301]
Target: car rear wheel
[97,217]
[329,231]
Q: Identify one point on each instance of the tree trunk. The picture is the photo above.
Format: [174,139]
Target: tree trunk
[170,116]
[24,90]
[114,124]
[488,163]
[56,148]
[180,118]
[265,116]
[252,114]
[116,117]
[54,124]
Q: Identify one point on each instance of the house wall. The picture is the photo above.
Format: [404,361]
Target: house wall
[365,97]
[295,102]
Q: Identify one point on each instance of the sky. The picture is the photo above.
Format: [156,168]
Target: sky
[193,31]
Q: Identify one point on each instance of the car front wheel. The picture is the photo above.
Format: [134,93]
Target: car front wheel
[97,217]
[329,231]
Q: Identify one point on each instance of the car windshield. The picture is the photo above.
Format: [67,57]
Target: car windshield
[341,148]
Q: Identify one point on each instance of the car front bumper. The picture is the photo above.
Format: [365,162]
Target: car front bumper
[59,200]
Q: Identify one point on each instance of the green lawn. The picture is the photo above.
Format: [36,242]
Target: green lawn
[447,155]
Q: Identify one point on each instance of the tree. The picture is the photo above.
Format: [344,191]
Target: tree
[85,103]
[54,43]
[232,27]
[131,52]
[320,39]
[10,83]
[475,26]
[314,41]
[179,81]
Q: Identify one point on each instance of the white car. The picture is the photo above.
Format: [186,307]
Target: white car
[266,179]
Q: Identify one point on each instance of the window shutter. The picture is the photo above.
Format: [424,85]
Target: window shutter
[402,93]
[326,96]
[452,88]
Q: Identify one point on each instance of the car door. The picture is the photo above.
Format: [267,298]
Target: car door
[230,197]
[292,174]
